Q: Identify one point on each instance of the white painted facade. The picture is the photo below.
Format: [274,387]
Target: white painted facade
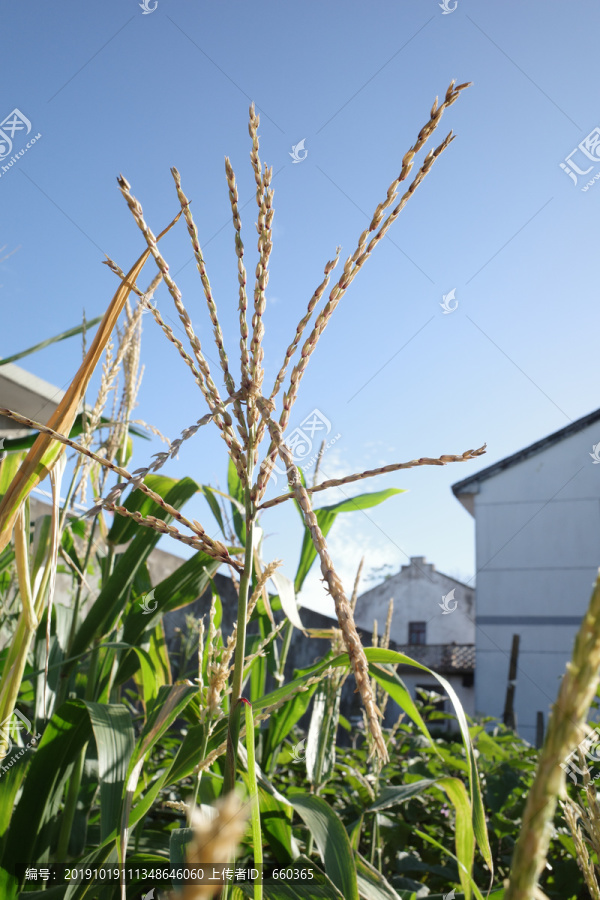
[537,527]
[418,591]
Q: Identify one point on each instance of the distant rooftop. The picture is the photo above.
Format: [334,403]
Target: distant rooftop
[26,394]
[418,563]
[469,485]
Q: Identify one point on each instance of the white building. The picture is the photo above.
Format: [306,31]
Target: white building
[537,533]
[437,632]
[28,395]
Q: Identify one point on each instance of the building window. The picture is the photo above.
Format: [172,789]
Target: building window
[416,632]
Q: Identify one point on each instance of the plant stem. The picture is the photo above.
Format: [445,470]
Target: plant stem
[256,829]
[84,566]
[240,646]
[202,756]
[16,659]
[565,729]
[287,640]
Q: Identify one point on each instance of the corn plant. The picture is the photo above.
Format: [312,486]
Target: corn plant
[119,641]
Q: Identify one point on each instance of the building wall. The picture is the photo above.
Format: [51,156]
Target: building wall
[538,551]
[417,591]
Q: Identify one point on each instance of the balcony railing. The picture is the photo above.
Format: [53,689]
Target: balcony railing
[449,658]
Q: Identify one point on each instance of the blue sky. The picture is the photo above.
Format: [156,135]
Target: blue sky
[497,221]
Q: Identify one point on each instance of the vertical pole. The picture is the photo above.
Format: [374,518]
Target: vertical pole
[509,717]
[539,729]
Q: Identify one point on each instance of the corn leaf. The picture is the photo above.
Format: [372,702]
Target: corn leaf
[12,445]
[331,839]
[371,883]
[393,796]
[72,332]
[326,516]
[236,491]
[114,595]
[282,721]
[320,740]
[375,655]
[464,838]
[276,821]
[179,589]
[113,732]
[431,840]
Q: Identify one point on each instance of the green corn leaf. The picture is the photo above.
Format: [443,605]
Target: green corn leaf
[326,516]
[434,843]
[115,590]
[159,656]
[276,821]
[113,731]
[253,789]
[178,841]
[36,818]
[393,796]
[391,657]
[318,887]
[214,506]
[10,785]
[170,703]
[282,721]
[72,332]
[236,491]
[371,883]
[464,837]
[187,756]
[391,682]
[123,529]
[375,655]
[14,445]
[182,587]
[9,467]
[331,839]
[322,731]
